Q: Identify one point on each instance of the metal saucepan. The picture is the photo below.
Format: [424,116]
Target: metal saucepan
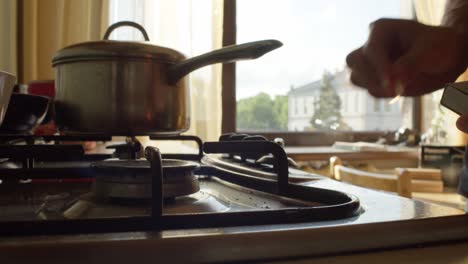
[132,88]
[24,113]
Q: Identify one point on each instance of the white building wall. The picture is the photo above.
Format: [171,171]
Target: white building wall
[299,113]
[352,110]
[358,109]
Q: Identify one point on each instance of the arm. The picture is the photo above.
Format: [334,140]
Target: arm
[456,17]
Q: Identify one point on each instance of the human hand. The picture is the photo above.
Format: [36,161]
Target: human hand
[462,123]
[421,58]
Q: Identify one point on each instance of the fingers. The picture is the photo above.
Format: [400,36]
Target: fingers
[378,46]
[412,62]
[462,123]
[364,75]
[371,65]
[360,69]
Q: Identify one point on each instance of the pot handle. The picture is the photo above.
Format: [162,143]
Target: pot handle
[246,51]
[125,23]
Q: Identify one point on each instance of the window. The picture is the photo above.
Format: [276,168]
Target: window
[317,36]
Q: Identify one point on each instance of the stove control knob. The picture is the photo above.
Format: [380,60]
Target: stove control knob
[255,137]
[269,159]
[225,137]
[238,137]
[279,141]
[253,156]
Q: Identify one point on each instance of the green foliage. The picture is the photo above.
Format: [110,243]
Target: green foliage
[280,108]
[261,112]
[327,113]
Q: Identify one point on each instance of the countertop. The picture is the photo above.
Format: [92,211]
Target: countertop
[453,253]
[399,228]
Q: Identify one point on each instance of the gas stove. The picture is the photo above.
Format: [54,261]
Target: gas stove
[60,189]
[215,204]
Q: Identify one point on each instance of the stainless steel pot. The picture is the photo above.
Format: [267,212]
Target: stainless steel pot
[132,88]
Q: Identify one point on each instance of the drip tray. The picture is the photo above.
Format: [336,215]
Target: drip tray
[215,196]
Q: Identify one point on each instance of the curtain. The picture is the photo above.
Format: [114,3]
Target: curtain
[8,36]
[193,28]
[438,120]
[429,12]
[48,25]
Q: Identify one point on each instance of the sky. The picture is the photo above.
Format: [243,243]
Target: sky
[317,35]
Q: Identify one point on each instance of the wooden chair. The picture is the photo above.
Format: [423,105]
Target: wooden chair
[404,181]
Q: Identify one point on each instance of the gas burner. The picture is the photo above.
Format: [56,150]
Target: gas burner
[131,179]
[166,191]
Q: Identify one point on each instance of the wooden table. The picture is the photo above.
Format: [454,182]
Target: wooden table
[324,153]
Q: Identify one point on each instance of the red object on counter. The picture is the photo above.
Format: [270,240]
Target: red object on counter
[46,129]
[43,87]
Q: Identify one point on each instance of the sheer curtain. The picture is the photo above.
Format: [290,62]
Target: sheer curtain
[8,36]
[191,27]
[436,119]
[429,12]
[48,25]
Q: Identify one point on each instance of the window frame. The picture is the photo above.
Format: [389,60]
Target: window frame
[228,124]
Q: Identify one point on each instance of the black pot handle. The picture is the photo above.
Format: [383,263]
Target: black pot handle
[246,51]
[125,23]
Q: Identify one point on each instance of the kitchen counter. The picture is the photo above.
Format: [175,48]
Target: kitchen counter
[453,253]
[403,223]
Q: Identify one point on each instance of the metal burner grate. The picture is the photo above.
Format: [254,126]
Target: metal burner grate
[335,205]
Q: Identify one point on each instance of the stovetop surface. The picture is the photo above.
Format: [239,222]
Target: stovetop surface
[376,207]
[381,220]
[74,200]
[384,221]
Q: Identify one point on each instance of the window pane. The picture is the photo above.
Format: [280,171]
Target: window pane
[304,85]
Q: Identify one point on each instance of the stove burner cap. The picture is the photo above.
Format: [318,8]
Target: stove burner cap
[131,179]
[143,164]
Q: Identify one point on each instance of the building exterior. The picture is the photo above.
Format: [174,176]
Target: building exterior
[360,111]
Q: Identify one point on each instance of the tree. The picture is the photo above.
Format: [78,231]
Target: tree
[260,112]
[327,113]
[280,108]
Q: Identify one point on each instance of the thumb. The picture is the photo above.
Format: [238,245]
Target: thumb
[462,123]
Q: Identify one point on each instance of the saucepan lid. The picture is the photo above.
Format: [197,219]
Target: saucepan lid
[113,49]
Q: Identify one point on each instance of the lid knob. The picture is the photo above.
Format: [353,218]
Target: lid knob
[125,23]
